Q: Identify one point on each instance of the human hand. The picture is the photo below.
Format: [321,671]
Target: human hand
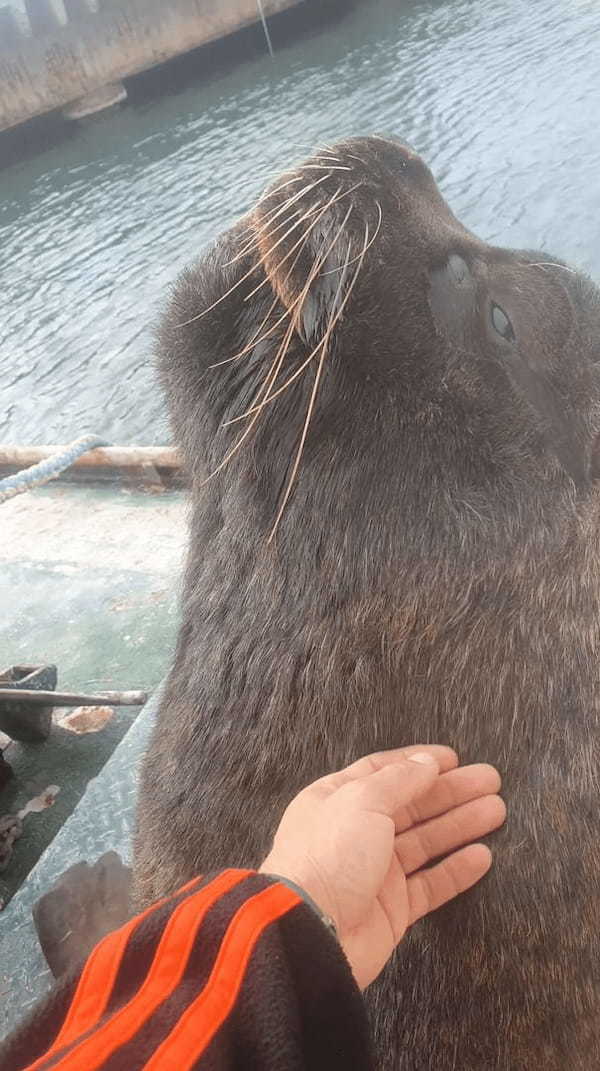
[357,842]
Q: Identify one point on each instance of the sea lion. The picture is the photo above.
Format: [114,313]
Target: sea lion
[391,430]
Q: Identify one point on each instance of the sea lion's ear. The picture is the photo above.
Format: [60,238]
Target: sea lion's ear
[321,306]
[560,428]
[315,304]
[312,286]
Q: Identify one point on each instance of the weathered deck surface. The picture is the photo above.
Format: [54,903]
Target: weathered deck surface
[88,580]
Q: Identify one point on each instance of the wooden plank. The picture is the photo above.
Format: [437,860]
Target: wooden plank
[108,457]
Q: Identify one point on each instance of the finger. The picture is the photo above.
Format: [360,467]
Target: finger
[421,844]
[429,889]
[451,790]
[388,789]
[445,758]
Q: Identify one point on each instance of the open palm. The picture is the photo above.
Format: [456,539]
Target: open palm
[358,842]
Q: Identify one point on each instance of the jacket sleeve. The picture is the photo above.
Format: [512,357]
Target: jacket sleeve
[234,972]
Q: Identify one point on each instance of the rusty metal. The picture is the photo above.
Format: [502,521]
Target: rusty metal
[20,718]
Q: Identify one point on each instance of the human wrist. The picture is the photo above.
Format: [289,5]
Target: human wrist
[327,920]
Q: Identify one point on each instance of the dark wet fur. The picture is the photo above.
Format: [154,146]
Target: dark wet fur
[435,576]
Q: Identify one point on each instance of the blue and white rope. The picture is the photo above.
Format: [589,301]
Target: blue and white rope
[49,468]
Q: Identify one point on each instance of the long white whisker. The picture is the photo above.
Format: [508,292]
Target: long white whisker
[272,193]
[341,267]
[271,216]
[306,362]
[333,200]
[294,310]
[246,275]
[323,167]
[267,384]
[271,377]
[551,264]
[300,451]
[253,244]
[300,241]
[313,396]
[254,341]
[278,189]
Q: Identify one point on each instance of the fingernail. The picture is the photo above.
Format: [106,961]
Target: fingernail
[423,758]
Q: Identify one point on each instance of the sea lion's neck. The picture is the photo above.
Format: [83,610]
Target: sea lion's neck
[480,658]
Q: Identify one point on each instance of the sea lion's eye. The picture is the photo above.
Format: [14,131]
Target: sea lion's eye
[501,323]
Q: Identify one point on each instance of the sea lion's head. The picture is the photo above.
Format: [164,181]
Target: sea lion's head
[352,363]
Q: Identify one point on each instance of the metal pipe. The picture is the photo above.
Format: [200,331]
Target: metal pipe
[72,699]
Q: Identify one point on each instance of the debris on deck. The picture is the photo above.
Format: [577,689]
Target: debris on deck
[11,825]
[86,719]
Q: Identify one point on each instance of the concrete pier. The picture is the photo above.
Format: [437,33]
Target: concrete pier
[73,54]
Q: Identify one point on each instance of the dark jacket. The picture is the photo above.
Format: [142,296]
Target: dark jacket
[233,972]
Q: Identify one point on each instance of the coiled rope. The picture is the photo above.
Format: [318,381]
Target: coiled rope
[49,468]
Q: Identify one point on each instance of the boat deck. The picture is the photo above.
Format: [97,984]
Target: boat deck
[88,581]
[101,822]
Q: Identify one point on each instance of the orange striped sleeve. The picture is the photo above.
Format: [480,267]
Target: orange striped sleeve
[163,978]
[98,977]
[196,1028]
[96,982]
[234,968]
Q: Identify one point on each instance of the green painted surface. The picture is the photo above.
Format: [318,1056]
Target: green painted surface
[88,581]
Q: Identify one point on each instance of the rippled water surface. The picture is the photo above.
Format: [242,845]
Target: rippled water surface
[502,97]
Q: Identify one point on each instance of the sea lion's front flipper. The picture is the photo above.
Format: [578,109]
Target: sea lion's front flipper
[85,904]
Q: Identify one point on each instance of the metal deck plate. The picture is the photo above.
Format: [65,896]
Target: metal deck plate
[89,580]
[101,821]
